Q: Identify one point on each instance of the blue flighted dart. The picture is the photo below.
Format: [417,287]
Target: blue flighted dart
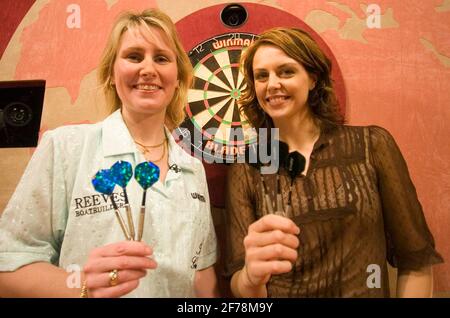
[146,174]
[103,183]
[121,173]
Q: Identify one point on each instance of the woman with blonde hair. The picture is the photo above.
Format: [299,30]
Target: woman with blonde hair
[56,221]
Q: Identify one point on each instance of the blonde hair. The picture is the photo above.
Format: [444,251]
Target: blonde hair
[148,18]
[298,45]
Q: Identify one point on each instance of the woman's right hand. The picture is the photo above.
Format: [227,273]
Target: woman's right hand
[129,258]
[270,248]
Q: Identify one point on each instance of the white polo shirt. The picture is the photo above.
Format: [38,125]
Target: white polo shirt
[56,216]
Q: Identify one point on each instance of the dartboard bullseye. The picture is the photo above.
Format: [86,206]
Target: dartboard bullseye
[215,127]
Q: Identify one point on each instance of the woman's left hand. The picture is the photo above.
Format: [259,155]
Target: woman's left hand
[114,270]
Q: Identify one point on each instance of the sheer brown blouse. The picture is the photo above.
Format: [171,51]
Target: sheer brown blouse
[356,208]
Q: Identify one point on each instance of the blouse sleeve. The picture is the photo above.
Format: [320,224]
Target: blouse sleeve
[240,214]
[410,244]
[31,227]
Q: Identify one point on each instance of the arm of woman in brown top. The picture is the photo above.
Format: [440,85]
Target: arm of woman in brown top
[410,244]
[415,283]
[270,248]
[257,249]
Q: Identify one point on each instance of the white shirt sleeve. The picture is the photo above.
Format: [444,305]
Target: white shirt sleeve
[32,225]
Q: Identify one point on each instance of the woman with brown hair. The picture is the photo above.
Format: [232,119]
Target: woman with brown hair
[342,201]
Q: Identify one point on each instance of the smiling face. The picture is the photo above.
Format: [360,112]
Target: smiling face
[145,72]
[281,84]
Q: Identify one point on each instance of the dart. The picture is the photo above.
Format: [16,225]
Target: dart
[283,153]
[146,174]
[279,206]
[266,196]
[295,164]
[103,183]
[121,173]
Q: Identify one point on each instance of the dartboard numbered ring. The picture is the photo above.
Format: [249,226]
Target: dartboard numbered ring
[212,107]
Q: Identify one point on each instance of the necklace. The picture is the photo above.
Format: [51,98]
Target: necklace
[146,151]
[151,146]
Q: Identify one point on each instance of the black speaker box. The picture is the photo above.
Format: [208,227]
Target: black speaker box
[21,105]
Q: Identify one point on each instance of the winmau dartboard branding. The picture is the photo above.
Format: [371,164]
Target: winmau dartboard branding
[215,128]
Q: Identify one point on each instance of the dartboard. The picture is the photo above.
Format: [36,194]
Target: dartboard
[215,127]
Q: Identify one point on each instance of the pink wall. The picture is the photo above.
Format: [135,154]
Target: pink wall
[397,77]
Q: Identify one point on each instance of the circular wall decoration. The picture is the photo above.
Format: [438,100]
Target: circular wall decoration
[212,107]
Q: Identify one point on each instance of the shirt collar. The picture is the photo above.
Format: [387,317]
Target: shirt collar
[116,140]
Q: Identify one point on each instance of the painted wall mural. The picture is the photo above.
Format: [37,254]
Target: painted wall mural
[394,57]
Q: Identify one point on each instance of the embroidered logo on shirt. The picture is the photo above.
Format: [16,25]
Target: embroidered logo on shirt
[97,203]
[195,258]
[196,195]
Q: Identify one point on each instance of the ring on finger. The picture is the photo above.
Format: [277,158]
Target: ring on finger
[113,277]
